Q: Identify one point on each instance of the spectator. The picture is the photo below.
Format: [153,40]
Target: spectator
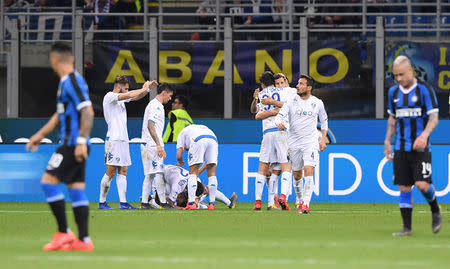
[178,119]
[260,11]
[208,6]
[101,6]
[279,7]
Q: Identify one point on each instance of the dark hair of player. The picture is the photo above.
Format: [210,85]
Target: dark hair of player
[279,75]
[63,49]
[267,79]
[183,100]
[309,80]
[121,79]
[165,87]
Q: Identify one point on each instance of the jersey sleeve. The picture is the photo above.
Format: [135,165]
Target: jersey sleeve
[181,139]
[391,106]
[78,92]
[111,97]
[323,117]
[153,114]
[430,100]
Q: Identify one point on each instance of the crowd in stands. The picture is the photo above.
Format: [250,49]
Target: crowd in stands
[247,14]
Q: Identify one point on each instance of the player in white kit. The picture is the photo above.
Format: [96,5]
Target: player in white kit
[274,144]
[117,152]
[201,144]
[303,111]
[152,149]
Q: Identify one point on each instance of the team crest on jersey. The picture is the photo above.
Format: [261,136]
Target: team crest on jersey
[313,105]
[414,98]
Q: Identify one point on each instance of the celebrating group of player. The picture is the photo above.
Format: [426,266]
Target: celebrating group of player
[173,186]
[290,139]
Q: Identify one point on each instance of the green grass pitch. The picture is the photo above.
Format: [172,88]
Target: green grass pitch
[335,235]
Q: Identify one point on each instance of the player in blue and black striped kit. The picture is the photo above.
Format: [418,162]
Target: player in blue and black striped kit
[74,115]
[413,115]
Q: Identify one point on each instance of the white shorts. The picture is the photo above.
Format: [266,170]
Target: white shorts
[151,162]
[306,155]
[204,150]
[117,153]
[274,148]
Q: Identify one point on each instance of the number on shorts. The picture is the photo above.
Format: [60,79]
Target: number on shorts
[426,168]
[56,160]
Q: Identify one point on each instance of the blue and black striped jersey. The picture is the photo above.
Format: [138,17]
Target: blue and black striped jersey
[73,95]
[411,110]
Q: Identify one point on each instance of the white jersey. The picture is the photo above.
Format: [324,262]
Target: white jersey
[115,114]
[191,134]
[176,178]
[303,115]
[279,94]
[154,112]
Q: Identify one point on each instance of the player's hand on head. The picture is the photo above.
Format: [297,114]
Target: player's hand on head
[153,84]
[81,153]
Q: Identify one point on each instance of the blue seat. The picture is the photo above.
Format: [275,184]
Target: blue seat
[395,22]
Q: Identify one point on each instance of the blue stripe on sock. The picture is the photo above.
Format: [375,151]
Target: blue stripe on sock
[52,192]
[78,197]
[406,199]
[429,194]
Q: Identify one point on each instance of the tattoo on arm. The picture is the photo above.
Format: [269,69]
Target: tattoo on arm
[433,120]
[152,131]
[86,121]
[390,128]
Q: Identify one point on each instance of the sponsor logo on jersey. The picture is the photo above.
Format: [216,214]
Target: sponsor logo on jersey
[408,112]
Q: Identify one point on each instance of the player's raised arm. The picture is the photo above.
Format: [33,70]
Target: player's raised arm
[49,127]
[254,105]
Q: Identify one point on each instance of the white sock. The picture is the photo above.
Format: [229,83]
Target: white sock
[298,187]
[104,187]
[192,187]
[275,189]
[285,182]
[308,190]
[212,185]
[222,198]
[259,186]
[290,187]
[121,181]
[271,189]
[202,206]
[160,187]
[146,188]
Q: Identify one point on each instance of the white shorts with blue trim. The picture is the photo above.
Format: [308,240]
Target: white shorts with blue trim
[151,162]
[117,153]
[301,156]
[274,147]
[204,149]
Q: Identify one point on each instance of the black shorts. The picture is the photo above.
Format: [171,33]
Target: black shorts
[63,165]
[410,167]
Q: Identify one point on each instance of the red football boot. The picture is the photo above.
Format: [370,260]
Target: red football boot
[257,205]
[283,203]
[59,240]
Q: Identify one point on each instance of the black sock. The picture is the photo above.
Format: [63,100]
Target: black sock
[434,206]
[81,214]
[406,216]
[59,210]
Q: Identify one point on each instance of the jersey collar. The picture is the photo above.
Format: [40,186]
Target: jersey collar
[408,90]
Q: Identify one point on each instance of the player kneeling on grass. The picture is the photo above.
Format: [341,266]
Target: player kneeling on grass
[201,144]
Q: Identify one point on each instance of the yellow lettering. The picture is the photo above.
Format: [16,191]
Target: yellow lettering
[134,71]
[442,60]
[342,65]
[182,65]
[214,71]
[444,80]
[263,58]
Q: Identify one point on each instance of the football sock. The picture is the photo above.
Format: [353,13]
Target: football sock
[80,205]
[406,208]
[222,198]
[55,199]
[212,185]
[298,188]
[430,195]
[160,187]
[271,189]
[146,189]
[275,189]
[192,187]
[259,186]
[308,190]
[104,187]
[121,181]
[285,182]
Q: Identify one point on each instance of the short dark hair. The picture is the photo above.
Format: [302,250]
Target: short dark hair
[63,49]
[183,100]
[266,78]
[309,80]
[165,87]
[182,199]
[279,75]
[121,79]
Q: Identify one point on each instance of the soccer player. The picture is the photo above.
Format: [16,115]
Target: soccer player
[152,150]
[274,144]
[413,115]
[201,144]
[75,116]
[303,110]
[117,151]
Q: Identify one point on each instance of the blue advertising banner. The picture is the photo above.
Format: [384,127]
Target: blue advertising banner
[346,173]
